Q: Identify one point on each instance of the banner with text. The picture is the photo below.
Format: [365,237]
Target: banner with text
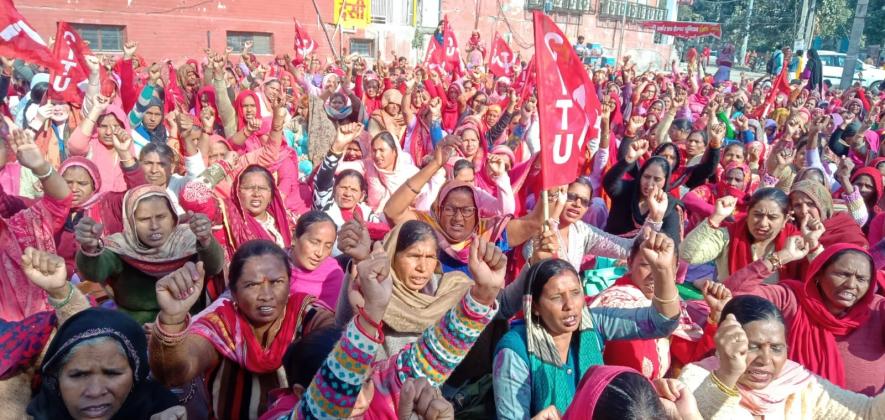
[684,29]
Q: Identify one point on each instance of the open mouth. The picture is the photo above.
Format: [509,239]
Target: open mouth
[266,310]
[847,296]
[96,411]
[570,321]
[155,237]
[759,375]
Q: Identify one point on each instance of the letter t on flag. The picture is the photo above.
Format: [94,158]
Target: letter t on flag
[567,104]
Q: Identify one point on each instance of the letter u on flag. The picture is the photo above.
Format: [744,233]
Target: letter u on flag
[567,104]
[70,50]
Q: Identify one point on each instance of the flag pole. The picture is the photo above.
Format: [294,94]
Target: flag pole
[546,210]
[323,27]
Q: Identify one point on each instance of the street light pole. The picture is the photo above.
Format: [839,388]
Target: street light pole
[740,58]
[860,14]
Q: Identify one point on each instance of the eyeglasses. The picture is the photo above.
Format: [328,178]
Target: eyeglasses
[255,188]
[577,199]
[465,211]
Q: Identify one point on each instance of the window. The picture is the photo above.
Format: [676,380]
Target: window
[363,47]
[398,12]
[262,43]
[102,37]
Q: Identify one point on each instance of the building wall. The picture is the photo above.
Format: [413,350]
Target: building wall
[177,29]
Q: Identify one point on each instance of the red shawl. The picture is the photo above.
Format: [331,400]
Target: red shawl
[740,253]
[842,229]
[244,227]
[594,383]
[232,335]
[812,338]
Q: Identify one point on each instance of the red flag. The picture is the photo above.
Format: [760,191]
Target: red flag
[528,79]
[780,85]
[174,97]
[435,57]
[570,112]
[304,45]
[18,39]
[70,51]
[452,56]
[502,59]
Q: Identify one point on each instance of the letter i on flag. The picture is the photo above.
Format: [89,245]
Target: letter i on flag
[567,104]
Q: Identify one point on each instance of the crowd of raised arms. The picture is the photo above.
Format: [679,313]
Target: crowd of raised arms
[244,238]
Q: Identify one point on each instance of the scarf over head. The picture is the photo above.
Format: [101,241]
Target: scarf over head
[813,331]
[411,311]
[394,123]
[337,114]
[232,335]
[593,384]
[740,251]
[489,228]
[146,396]
[92,170]
[876,176]
[244,226]
[180,245]
[770,400]
[839,227]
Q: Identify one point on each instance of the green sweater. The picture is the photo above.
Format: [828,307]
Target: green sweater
[135,291]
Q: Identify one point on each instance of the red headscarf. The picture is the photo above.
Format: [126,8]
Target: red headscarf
[873,173]
[244,226]
[238,106]
[740,253]
[812,341]
[198,105]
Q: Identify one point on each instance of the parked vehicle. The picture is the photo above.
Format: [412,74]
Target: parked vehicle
[869,76]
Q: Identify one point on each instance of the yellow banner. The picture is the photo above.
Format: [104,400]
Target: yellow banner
[353,13]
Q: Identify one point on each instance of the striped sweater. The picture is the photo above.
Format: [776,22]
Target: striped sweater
[334,389]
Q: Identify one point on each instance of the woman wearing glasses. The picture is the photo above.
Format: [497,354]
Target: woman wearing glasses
[454,216]
[577,238]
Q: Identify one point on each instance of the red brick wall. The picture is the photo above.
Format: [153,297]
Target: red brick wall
[174,29]
[177,28]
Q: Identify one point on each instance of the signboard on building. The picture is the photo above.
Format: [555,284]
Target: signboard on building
[353,13]
[685,29]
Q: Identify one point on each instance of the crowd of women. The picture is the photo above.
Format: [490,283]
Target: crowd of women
[242,238]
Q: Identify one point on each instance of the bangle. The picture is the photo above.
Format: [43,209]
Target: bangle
[731,392]
[367,318]
[97,252]
[712,225]
[46,175]
[60,304]
[674,299]
[379,339]
[170,339]
[775,262]
[413,188]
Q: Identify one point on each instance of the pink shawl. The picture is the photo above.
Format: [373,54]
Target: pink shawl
[594,383]
[324,282]
[771,399]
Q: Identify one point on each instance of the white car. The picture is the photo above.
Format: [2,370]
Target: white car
[869,76]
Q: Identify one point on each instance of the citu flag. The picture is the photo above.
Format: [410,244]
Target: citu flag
[569,116]
[304,45]
[19,40]
[444,56]
[780,85]
[70,51]
[501,59]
